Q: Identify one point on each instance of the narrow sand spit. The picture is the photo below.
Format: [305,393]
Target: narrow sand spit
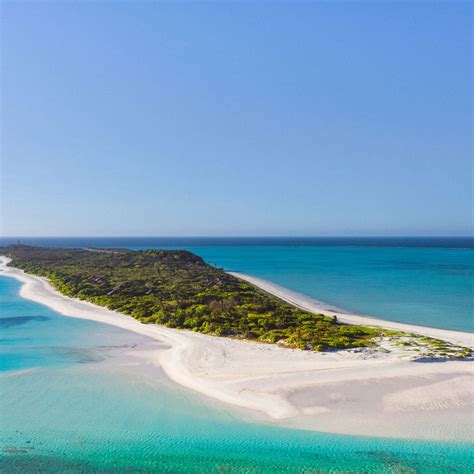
[369,392]
[309,304]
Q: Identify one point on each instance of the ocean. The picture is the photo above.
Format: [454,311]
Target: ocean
[76,397]
[422,281]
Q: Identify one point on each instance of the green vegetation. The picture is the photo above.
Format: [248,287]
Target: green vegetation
[432,347]
[178,289]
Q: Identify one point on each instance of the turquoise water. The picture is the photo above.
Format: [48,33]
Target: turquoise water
[424,281]
[425,286]
[74,398]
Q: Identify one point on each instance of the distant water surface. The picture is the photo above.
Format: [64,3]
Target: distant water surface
[76,397]
[424,281]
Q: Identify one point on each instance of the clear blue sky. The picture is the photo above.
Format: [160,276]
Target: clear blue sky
[298,118]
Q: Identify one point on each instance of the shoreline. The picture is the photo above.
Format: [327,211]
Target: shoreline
[360,392]
[314,306]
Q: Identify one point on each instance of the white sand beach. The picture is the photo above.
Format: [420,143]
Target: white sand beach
[379,391]
[309,304]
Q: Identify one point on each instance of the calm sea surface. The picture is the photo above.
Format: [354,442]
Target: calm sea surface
[76,397]
[425,281]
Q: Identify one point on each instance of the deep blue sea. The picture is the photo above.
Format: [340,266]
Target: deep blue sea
[424,281]
[76,398]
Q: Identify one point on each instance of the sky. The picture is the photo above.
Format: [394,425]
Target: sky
[124,118]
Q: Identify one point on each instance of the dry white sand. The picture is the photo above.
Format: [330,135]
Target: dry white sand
[369,392]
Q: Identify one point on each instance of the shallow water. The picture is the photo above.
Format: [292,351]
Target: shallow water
[75,396]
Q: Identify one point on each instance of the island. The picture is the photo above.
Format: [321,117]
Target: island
[178,289]
[260,348]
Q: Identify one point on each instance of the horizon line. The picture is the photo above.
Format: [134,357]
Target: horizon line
[237,236]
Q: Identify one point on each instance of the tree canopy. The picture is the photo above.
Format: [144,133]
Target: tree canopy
[177,289]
